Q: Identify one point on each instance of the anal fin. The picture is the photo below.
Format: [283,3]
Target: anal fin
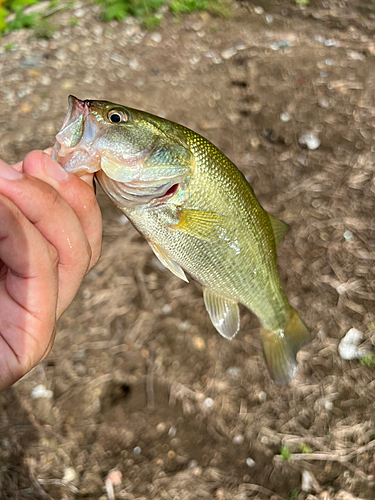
[279,228]
[170,264]
[224,313]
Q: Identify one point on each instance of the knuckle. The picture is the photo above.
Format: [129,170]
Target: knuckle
[52,197]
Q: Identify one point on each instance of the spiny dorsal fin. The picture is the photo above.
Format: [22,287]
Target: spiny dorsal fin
[279,228]
[224,313]
[170,264]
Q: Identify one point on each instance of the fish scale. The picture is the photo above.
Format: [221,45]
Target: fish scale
[196,210]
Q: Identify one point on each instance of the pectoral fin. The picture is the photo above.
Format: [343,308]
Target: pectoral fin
[224,313]
[202,225]
[168,262]
[279,228]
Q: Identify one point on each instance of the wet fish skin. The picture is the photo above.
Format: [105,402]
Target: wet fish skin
[196,210]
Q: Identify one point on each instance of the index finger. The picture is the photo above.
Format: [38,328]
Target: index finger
[79,196]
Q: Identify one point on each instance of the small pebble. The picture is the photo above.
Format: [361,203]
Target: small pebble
[306,484]
[161,427]
[172,431]
[40,391]
[331,43]
[328,405]
[348,235]
[69,475]
[262,396]
[227,54]
[285,117]
[239,439]
[234,371]
[348,346]
[269,19]
[45,80]
[209,402]
[156,37]
[134,65]
[255,142]
[319,38]
[309,139]
[97,30]
[258,10]
[250,462]
[323,103]
[199,343]
[137,450]
[184,326]
[192,464]
[79,13]
[166,309]
[282,44]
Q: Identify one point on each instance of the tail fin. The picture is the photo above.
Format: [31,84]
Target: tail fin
[280,348]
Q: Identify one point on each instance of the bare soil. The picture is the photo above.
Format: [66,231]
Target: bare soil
[141,383]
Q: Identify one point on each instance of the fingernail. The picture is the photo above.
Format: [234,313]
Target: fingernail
[9,173]
[54,170]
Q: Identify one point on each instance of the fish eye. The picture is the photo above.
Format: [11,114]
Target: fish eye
[117,116]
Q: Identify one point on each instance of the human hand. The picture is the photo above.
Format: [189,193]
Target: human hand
[50,237]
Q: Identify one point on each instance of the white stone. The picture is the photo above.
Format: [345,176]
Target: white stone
[40,391]
[69,475]
[285,117]
[348,346]
[156,37]
[250,462]
[209,402]
[306,481]
[227,54]
[309,139]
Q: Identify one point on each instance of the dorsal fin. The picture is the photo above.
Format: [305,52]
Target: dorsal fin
[279,228]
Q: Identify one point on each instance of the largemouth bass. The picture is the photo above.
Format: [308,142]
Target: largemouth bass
[197,212]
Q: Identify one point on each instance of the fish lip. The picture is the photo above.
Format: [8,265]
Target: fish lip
[64,151]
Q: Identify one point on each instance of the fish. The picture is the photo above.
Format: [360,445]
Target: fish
[197,212]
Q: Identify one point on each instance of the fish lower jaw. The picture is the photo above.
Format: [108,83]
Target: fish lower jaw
[77,161]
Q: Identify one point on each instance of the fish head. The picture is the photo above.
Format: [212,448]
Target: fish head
[125,148]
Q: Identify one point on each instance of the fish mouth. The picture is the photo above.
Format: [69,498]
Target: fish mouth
[72,148]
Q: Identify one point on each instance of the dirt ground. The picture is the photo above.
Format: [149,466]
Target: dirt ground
[146,398]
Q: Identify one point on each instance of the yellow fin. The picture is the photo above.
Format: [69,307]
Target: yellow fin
[202,225]
[281,346]
[223,312]
[170,264]
[279,228]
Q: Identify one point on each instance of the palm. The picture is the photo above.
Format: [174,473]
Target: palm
[24,330]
